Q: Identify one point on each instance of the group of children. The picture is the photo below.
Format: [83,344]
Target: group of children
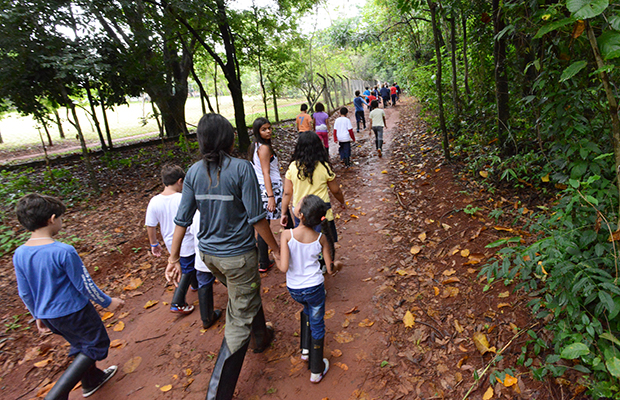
[57,288]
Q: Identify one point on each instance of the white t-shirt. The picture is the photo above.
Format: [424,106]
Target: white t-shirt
[198,263]
[304,269]
[342,126]
[274,167]
[161,211]
[376,117]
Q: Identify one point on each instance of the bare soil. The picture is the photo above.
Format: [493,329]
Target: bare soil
[407,247]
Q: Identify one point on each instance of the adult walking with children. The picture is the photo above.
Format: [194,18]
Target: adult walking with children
[226,192]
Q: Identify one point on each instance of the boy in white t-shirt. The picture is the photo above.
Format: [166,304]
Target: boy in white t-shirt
[343,135]
[377,121]
[162,210]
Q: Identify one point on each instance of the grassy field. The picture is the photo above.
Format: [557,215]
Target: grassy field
[127,120]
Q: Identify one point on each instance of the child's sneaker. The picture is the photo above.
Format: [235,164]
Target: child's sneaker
[184,310]
[264,268]
[108,373]
[305,354]
[316,378]
[193,289]
[379,152]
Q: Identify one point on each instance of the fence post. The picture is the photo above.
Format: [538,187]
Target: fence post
[326,95]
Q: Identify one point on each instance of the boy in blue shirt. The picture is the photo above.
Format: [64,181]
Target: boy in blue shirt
[359,102]
[57,289]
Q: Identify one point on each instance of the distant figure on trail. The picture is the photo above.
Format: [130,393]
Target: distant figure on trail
[321,120]
[397,91]
[303,121]
[343,135]
[57,290]
[385,95]
[366,93]
[371,98]
[226,192]
[301,249]
[310,173]
[393,93]
[377,121]
[267,172]
[359,104]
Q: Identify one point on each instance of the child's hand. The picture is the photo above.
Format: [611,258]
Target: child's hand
[173,273]
[284,219]
[156,251]
[271,204]
[43,329]
[116,303]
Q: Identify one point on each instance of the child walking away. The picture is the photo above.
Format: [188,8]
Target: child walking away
[343,135]
[359,103]
[321,124]
[57,289]
[304,120]
[394,93]
[377,121]
[161,211]
[300,250]
[267,172]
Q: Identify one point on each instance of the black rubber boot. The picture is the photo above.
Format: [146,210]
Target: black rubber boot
[226,372]
[262,335]
[318,364]
[194,282]
[178,299]
[74,373]
[305,337]
[207,313]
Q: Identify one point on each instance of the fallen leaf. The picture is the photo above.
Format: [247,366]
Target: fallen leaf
[408,319]
[166,388]
[436,289]
[43,363]
[504,294]
[132,364]
[120,325]
[502,305]
[336,353]
[397,239]
[465,253]
[445,226]
[422,236]
[488,395]
[449,272]
[384,172]
[367,279]
[107,315]
[118,344]
[450,291]
[354,216]
[545,178]
[134,284]
[188,372]
[150,303]
[351,311]
[366,323]
[509,380]
[343,337]
[484,174]
[45,389]
[342,366]
[482,343]
[123,315]
[329,313]
[452,279]
[474,258]
[346,323]
[458,326]
[415,249]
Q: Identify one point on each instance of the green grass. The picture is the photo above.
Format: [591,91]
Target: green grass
[127,120]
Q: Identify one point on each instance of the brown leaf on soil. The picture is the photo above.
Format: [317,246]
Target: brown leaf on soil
[452,279]
[450,291]
[482,343]
[366,323]
[133,284]
[132,364]
[488,395]
[45,389]
[458,326]
[107,315]
[474,258]
[150,303]
[118,344]
[351,311]
[504,294]
[44,363]
[408,319]
[422,236]
[415,249]
[436,289]
[346,323]
[343,337]
[465,253]
[119,326]
[166,388]
[336,353]
[449,272]
[31,354]
[329,313]
[502,305]
[343,366]
[509,381]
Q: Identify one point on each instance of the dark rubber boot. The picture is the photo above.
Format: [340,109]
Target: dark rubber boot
[263,252]
[305,337]
[226,372]
[178,299]
[262,335]
[205,300]
[74,373]
[318,365]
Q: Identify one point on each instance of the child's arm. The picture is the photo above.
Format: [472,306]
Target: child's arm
[327,256]
[334,187]
[384,123]
[264,230]
[351,133]
[285,254]
[286,200]
[155,246]
[264,153]
[173,270]
[335,136]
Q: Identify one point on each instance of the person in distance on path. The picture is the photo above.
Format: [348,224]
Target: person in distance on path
[377,121]
[359,104]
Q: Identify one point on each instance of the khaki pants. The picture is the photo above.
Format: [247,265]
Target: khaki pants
[240,276]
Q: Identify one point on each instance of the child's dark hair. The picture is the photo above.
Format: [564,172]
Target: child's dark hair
[319,107]
[34,210]
[374,104]
[304,107]
[216,137]
[344,111]
[309,151]
[357,93]
[170,174]
[313,211]
[258,123]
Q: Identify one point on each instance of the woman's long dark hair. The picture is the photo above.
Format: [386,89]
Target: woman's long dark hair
[216,137]
[314,210]
[258,123]
[309,151]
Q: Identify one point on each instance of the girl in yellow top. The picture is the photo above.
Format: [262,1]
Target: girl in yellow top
[311,173]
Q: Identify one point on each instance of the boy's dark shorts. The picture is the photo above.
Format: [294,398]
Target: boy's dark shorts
[359,116]
[85,332]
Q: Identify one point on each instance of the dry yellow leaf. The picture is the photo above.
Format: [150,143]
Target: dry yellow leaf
[474,258]
[458,326]
[343,337]
[166,388]
[120,325]
[132,364]
[134,284]
[343,366]
[366,323]
[488,395]
[452,279]
[329,314]
[384,172]
[484,174]
[123,315]
[422,236]
[502,305]
[465,253]
[545,178]
[445,226]
[415,249]
[43,363]
[354,216]
[118,344]
[346,323]
[408,319]
[107,315]
[150,303]
[509,380]
[482,343]
[504,294]
[436,289]
[336,353]
[449,272]
[188,372]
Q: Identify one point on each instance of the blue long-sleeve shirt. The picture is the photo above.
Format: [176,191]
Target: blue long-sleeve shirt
[359,102]
[53,281]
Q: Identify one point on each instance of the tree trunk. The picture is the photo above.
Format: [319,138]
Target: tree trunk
[455,88]
[203,94]
[275,103]
[93,112]
[172,111]
[1,141]
[47,132]
[105,121]
[501,82]
[217,100]
[156,115]
[437,38]
[465,60]
[613,104]
[262,86]
[61,132]
[76,124]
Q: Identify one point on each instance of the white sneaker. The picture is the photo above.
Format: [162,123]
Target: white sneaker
[316,378]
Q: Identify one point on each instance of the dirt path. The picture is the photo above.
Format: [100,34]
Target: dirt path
[401,240]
